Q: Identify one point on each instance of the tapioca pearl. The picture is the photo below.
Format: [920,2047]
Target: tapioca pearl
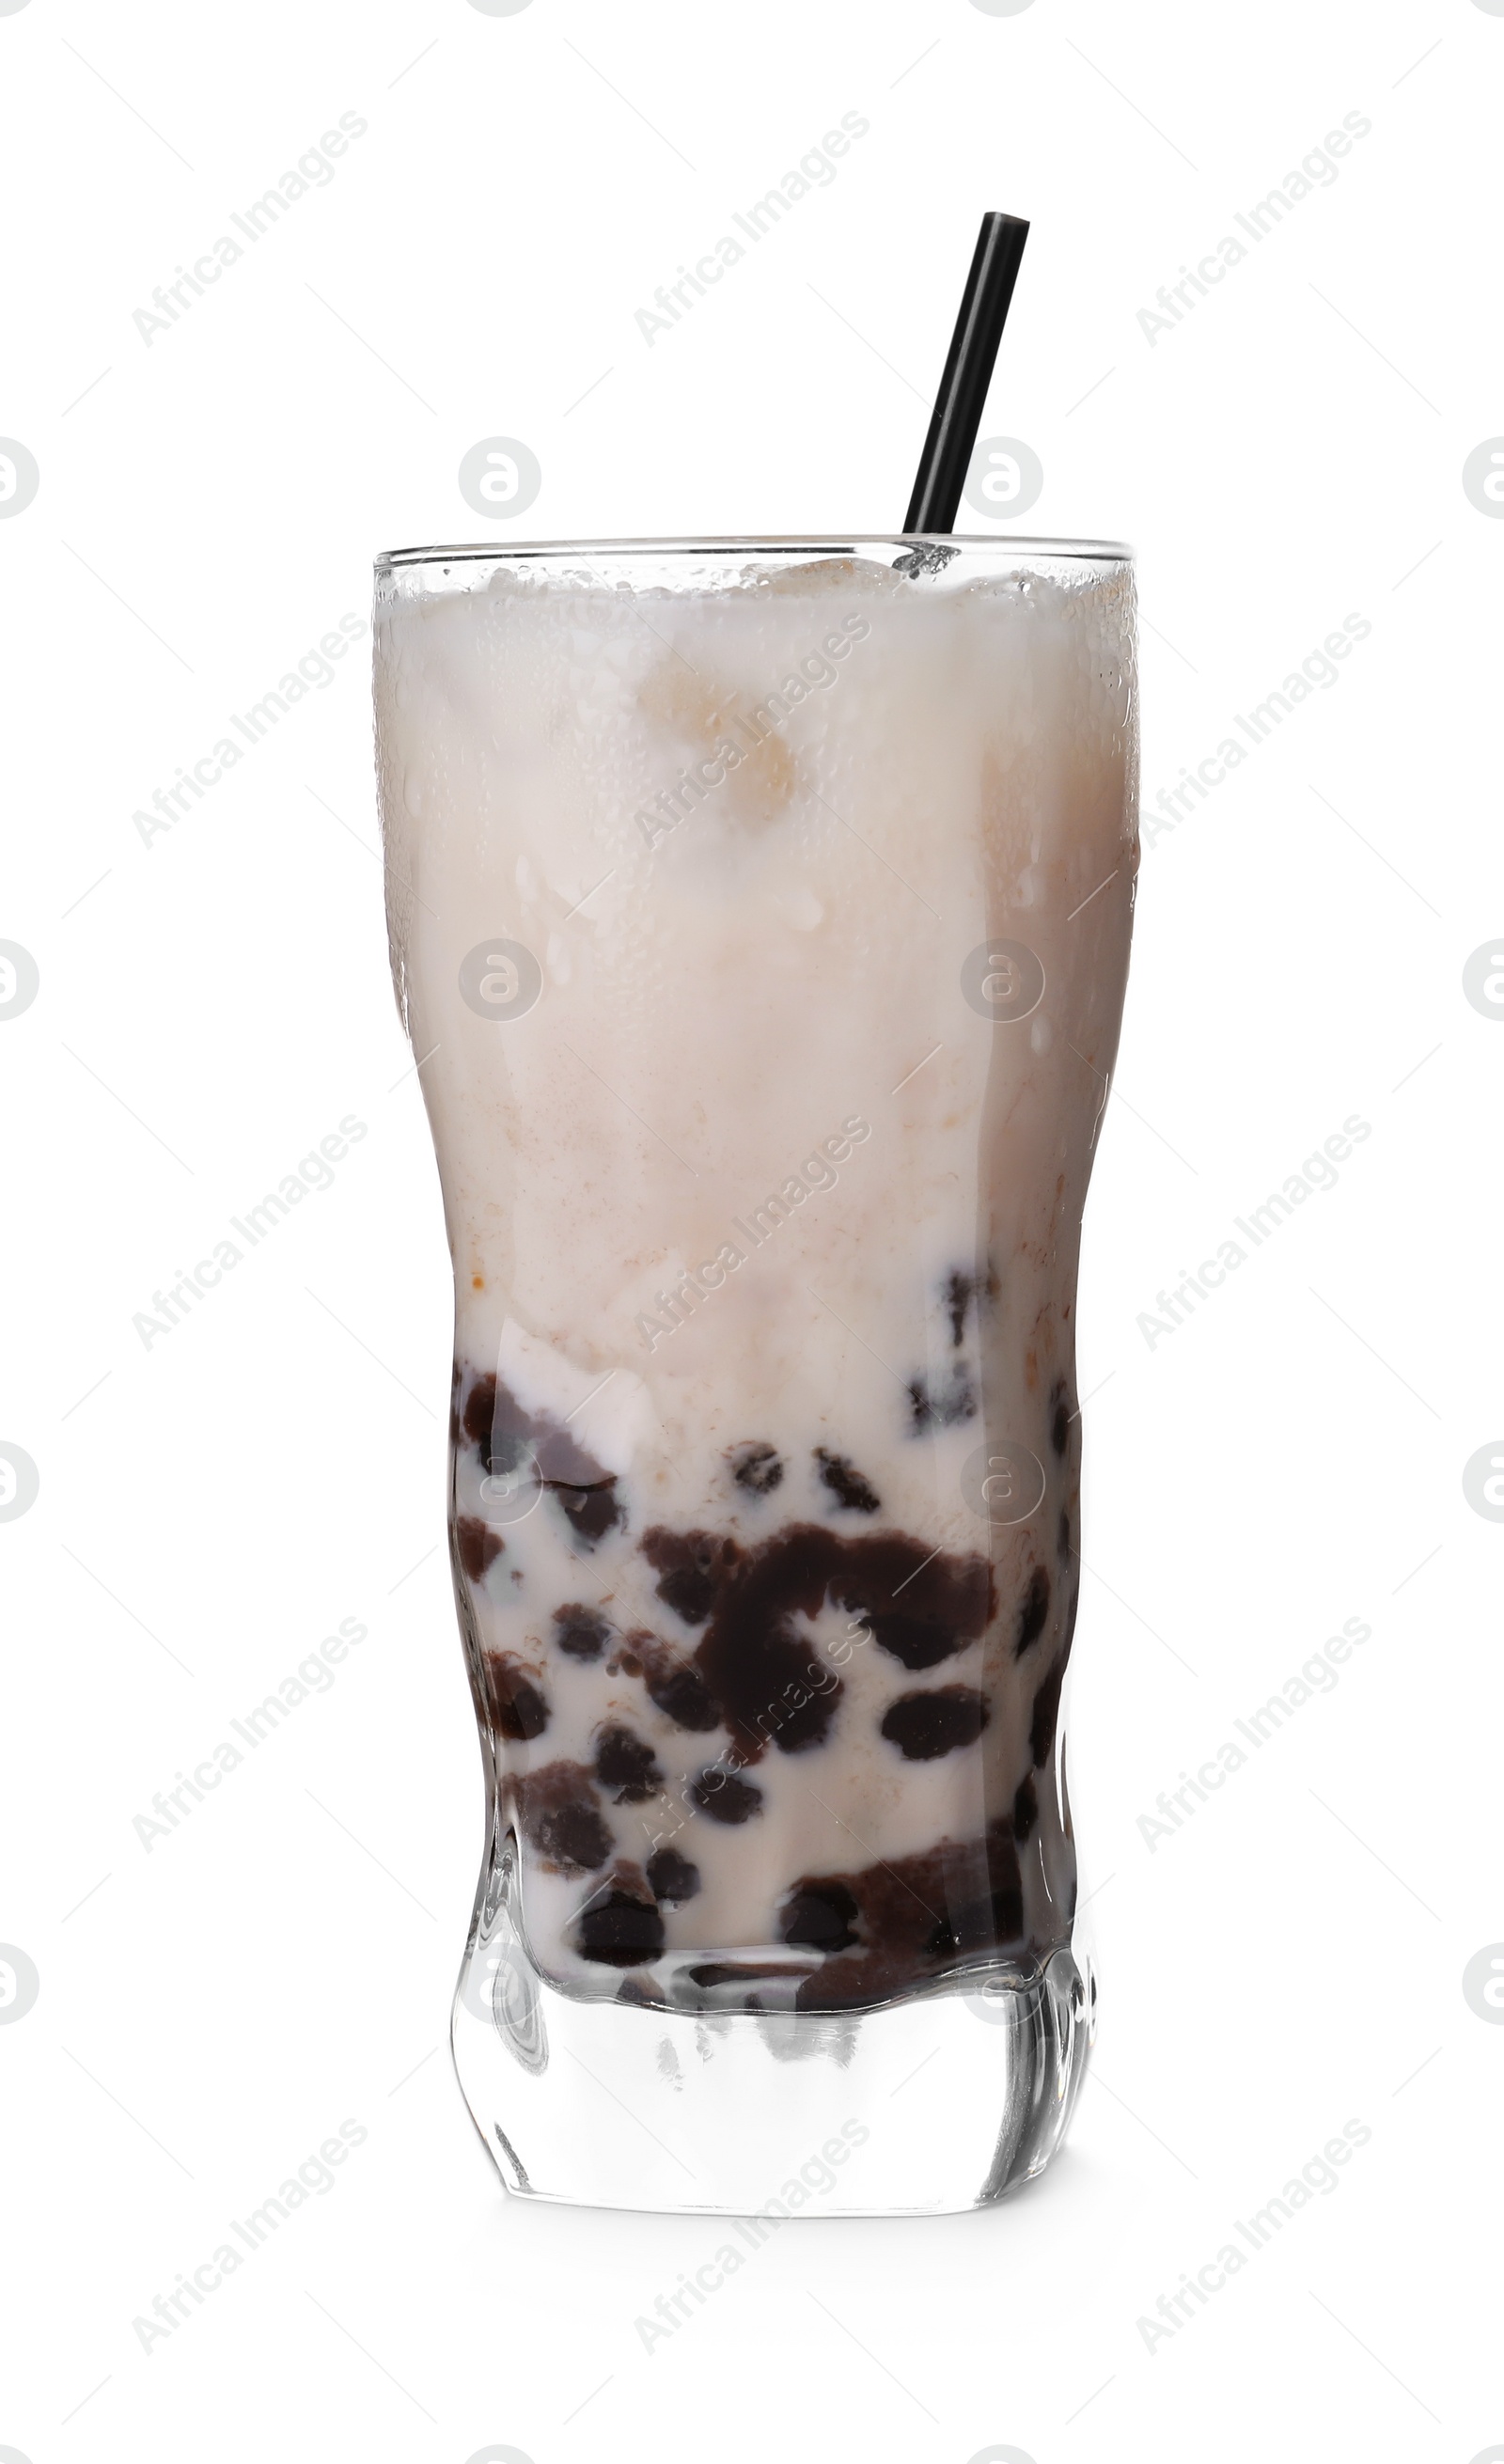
[518,1705]
[619,1931]
[558,1812]
[1063,1533]
[960,1288]
[915,1642]
[755,1466]
[944,1602]
[940,1407]
[478,1546]
[693,1569]
[590,1513]
[926,1726]
[671,1878]
[1060,1415]
[985,1923]
[626,1767]
[675,1685]
[819,1916]
[1033,1609]
[847,1486]
[725,1796]
[690,1592]
[480,1406]
[771,1689]
[582,1632]
[1026,1807]
[498,1425]
[1046,1714]
[574,1836]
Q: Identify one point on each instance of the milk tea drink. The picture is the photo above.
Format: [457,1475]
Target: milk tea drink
[759,915]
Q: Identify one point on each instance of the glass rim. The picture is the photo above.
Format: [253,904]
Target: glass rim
[722,543]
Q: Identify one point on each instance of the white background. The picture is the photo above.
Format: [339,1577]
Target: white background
[212,1003]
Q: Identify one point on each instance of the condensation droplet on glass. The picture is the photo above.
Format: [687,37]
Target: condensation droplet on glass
[1041,1036]
[412,793]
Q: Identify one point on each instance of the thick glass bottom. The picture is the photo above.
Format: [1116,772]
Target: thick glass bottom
[942,2101]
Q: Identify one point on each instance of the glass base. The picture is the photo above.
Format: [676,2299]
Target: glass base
[942,2101]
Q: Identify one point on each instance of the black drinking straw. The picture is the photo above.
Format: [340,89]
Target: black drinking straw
[968,372]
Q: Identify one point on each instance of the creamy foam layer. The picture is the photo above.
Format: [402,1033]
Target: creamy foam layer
[751,1170]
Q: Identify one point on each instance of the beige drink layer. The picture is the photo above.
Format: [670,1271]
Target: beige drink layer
[764,1225]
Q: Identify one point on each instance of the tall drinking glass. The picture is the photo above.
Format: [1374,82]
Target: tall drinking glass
[759,915]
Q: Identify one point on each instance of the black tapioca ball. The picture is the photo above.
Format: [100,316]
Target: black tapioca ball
[592,1513]
[626,1766]
[689,1591]
[944,1602]
[847,1486]
[480,1405]
[560,1817]
[582,1632]
[1063,1533]
[943,1407]
[619,1931]
[1026,1807]
[916,1641]
[983,1924]
[756,1467]
[959,1292]
[499,1425]
[692,1567]
[518,1705]
[819,1916]
[1060,1417]
[671,1878]
[925,1726]
[478,1544]
[575,1836]
[676,1685]
[1033,1609]
[725,1796]
[1046,1714]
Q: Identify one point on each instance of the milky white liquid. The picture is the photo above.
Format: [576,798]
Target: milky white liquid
[750,994]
